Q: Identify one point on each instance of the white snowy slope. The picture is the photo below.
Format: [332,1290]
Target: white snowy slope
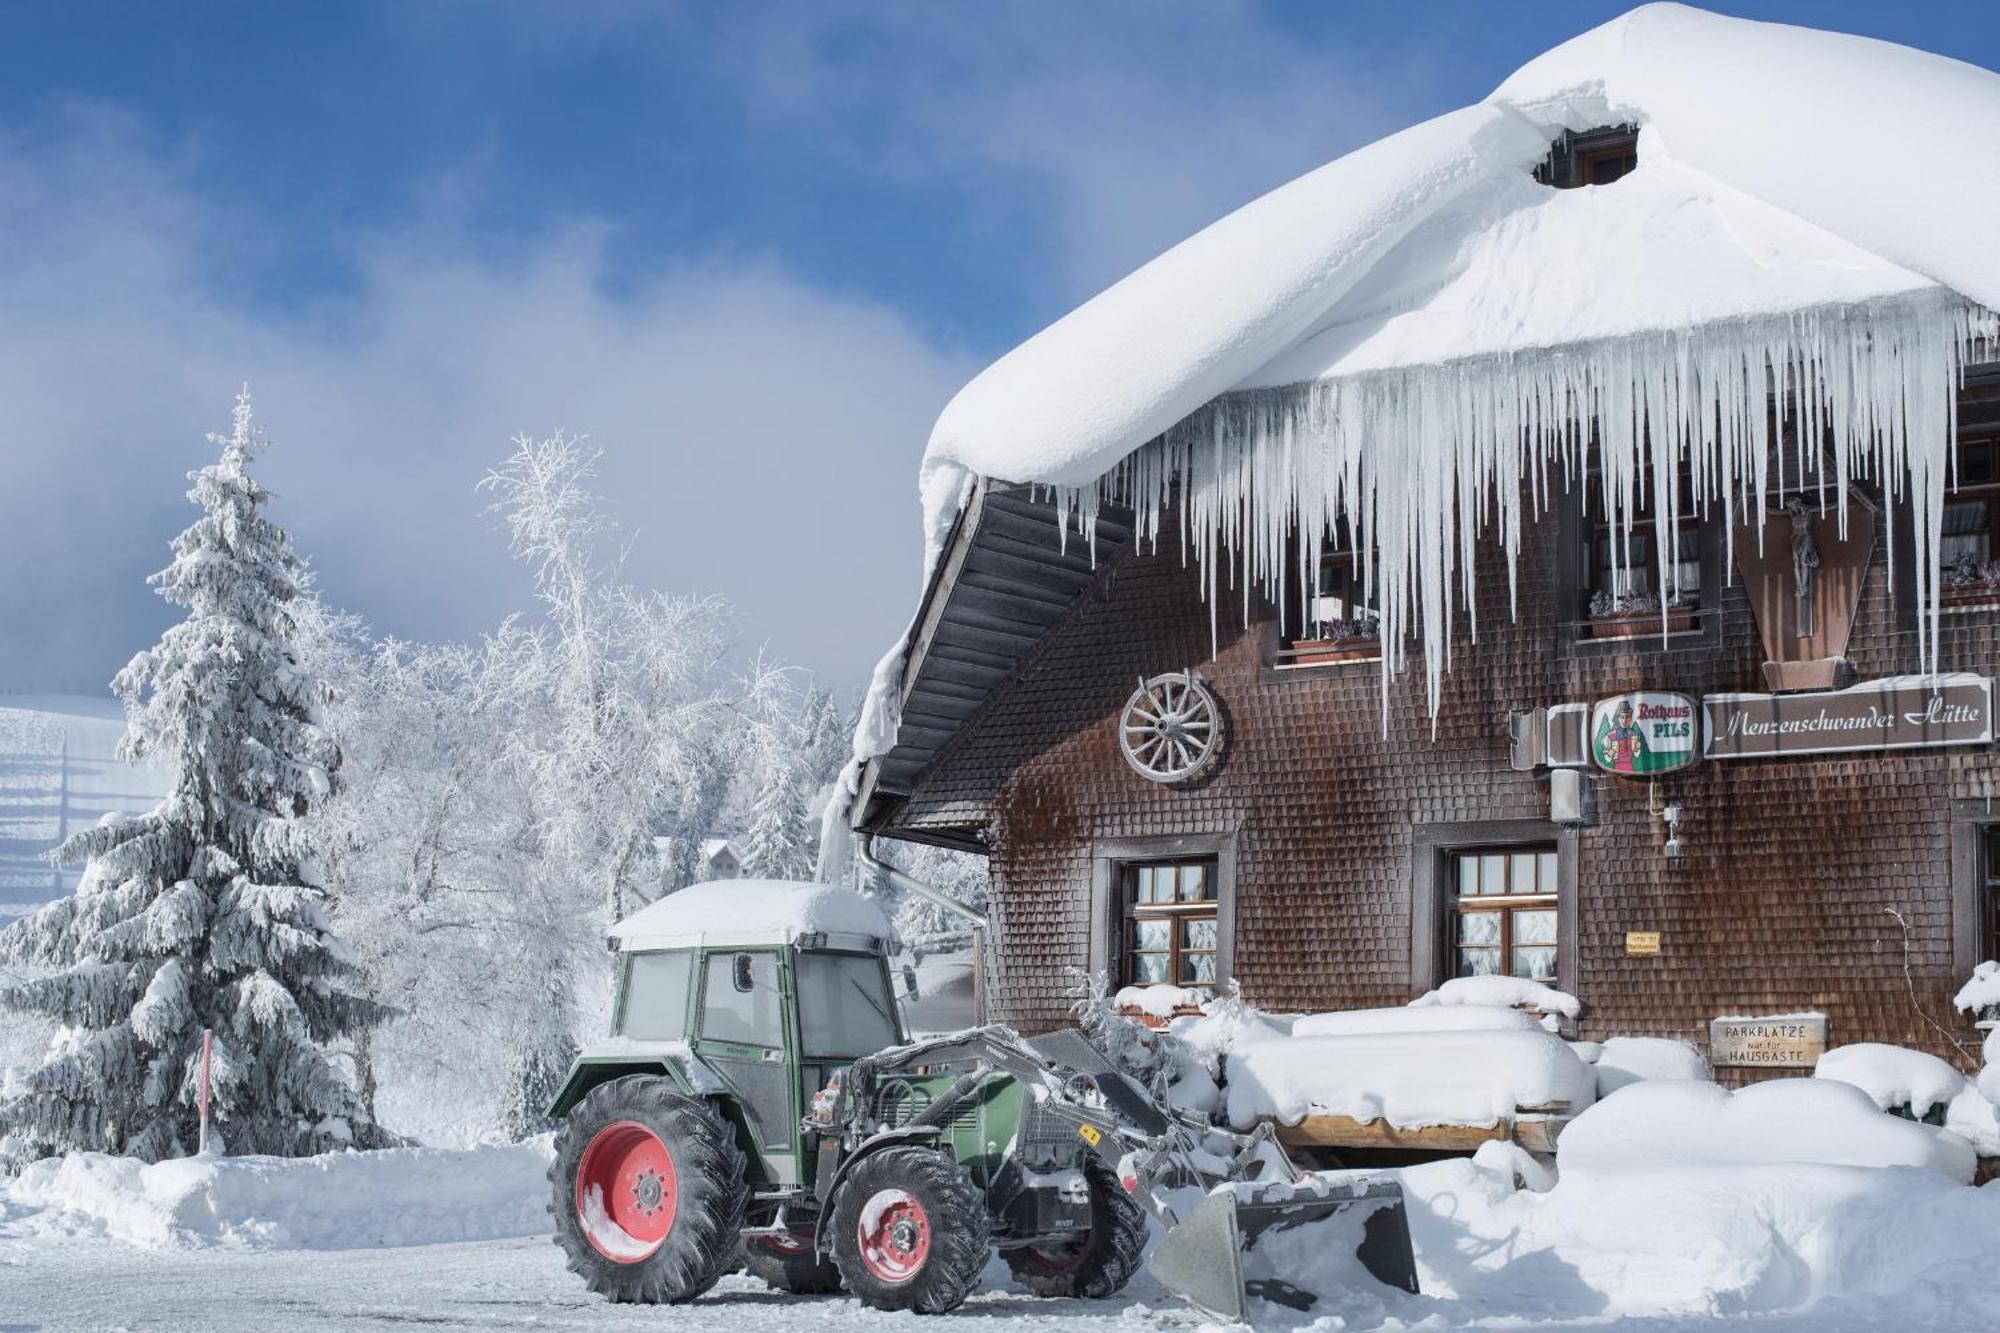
[59,772]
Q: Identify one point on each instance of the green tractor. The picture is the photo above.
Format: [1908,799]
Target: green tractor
[758,1102]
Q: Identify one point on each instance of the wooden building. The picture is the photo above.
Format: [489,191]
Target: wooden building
[1759,692]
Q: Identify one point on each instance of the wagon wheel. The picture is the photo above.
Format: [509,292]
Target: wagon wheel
[1171,727]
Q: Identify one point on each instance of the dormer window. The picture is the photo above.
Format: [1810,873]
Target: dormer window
[1590,157]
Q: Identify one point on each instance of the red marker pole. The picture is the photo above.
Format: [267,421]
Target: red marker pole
[201,1094]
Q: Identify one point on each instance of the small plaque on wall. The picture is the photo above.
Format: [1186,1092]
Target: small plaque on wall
[1642,944]
[1782,1041]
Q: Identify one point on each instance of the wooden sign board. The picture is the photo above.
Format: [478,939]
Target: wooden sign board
[1642,944]
[1901,713]
[1783,1041]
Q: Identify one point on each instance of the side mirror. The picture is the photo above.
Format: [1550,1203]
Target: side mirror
[740,973]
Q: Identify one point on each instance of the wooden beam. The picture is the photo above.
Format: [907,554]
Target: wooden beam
[1537,1133]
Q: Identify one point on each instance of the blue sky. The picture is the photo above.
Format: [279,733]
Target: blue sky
[750,248]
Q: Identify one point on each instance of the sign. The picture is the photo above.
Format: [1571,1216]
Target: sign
[1643,734]
[1900,713]
[1642,944]
[1785,1041]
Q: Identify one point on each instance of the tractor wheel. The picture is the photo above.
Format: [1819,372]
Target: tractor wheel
[1099,1262]
[649,1191]
[787,1263]
[910,1231]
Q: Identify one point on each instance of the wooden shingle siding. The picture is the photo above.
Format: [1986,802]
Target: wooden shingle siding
[1782,900]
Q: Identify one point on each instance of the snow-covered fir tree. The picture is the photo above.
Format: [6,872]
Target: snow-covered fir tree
[204,913]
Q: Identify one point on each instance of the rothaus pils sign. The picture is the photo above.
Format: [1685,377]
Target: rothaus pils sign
[1644,734]
[1901,713]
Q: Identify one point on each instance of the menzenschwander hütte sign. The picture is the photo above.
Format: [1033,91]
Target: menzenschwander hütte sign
[1899,713]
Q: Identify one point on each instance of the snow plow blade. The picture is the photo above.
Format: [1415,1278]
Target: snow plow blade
[1287,1244]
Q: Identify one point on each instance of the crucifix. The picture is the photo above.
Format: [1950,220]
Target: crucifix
[1805,560]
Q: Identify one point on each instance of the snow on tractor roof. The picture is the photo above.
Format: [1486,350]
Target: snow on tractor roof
[729,912]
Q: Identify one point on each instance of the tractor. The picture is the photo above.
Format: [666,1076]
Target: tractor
[758,1102]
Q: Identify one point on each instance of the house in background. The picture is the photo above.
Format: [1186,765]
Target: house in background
[1647,393]
[720,859]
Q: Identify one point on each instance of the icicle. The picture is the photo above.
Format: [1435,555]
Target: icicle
[1419,462]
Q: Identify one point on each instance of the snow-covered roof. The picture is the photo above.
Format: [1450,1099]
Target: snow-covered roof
[1780,168]
[729,912]
[1404,339]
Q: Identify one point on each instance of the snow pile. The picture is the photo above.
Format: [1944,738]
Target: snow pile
[1701,1240]
[1624,1061]
[1410,1079]
[1893,1076]
[1451,1017]
[1158,1001]
[336,1201]
[1656,1125]
[750,909]
[1981,991]
[1515,992]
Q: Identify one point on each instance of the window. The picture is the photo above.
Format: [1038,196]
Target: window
[656,996]
[741,1001]
[1590,157]
[1170,920]
[1623,578]
[1504,912]
[1966,545]
[1336,618]
[1989,892]
[849,1010]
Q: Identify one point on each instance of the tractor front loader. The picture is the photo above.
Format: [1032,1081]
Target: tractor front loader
[758,1104]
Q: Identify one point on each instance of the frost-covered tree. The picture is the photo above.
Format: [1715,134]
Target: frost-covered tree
[204,913]
[782,837]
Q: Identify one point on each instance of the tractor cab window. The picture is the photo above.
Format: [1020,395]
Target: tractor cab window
[654,1007]
[741,1000]
[845,1008]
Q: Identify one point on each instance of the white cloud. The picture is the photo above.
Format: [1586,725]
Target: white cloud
[761,434]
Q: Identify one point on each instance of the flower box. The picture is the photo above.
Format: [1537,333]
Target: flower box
[1349,648]
[1977,592]
[1638,624]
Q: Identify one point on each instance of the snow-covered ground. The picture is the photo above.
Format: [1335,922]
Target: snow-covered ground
[380,1241]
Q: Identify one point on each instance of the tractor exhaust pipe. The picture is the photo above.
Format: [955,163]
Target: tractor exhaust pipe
[865,846]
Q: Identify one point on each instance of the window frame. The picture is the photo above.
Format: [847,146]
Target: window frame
[1339,552]
[1577,534]
[1503,905]
[1432,893]
[1975,898]
[1982,396]
[1175,914]
[1108,921]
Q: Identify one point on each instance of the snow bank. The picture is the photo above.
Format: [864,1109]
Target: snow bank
[1410,1079]
[1516,992]
[1664,1124]
[750,910]
[1432,1018]
[1980,990]
[1158,1001]
[1624,1061]
[1693,1241]
[1892,1075]
[337,1201]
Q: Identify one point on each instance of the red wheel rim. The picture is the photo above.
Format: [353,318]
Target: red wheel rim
[895,1235]
[626,1192]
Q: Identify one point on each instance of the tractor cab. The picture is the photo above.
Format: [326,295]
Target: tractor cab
[753,992]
